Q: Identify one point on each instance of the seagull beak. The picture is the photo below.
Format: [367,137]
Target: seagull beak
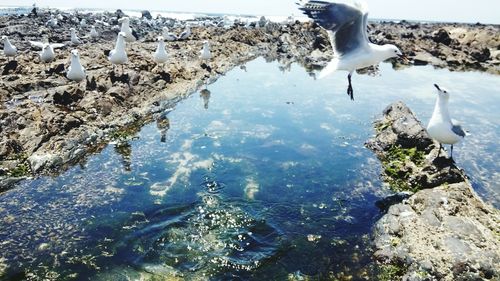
[404,58]
[437,87]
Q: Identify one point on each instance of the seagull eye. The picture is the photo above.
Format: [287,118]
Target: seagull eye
[445,92]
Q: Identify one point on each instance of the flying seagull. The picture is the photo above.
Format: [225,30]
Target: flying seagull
[346,25]
[441,127]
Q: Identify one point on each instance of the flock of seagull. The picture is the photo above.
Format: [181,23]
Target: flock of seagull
[118,56]
[345,24]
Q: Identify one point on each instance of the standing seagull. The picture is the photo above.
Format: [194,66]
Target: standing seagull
[47,54]
[93,33]
[160,56]
[346,25]
[118,54]
[76,72]
[205,52]
[125,28]
[186,33]
[9,50]
[441,127]
[74,38]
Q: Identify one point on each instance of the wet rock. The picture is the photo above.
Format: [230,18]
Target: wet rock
[390,200]
[11,66]
[39,162]
[481,55]
[68,96]
[443,232]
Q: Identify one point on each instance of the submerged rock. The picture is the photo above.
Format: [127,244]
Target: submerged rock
[442,232]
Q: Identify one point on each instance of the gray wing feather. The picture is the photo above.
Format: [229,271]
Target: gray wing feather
[346,23]
[457,129]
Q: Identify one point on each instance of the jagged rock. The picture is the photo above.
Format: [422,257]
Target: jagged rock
[443,232]
[481,55]
[442,36]
[40,162]
[146,14]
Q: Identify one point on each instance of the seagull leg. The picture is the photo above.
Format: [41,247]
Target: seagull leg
[349,88]
[451,152]
[439,151]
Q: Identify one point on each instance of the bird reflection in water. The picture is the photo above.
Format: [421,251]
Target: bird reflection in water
[163,124]
[205,95]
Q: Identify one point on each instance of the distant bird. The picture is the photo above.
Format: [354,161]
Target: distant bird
[346,25]
[125,28]
[118,54]
[205,53]
[83,23]
[52,22]
[169,36]
[47,54]
[9,50]
[441,127]
[186,33]
[76,72]
[75,40]
[160,55]
[93,33]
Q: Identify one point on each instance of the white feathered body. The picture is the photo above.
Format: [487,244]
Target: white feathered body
[160,55]
[76,72]
[440,124]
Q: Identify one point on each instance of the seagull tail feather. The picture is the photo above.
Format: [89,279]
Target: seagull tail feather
[329,69]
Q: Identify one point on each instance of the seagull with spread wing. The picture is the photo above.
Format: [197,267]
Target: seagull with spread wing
[346,25]
[47,54]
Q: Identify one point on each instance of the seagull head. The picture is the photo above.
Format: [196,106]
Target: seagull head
[160,39]
[74,53]
[125,20]
[122,34]
[205,43]
[442,92]
[4,38]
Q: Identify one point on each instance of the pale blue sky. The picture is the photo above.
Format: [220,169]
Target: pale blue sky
[485,11]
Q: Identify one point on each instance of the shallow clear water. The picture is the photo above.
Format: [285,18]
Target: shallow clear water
[263,174]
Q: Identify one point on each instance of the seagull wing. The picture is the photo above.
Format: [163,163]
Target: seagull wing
[37,44]
[57,45]
[457,128]
[346,24]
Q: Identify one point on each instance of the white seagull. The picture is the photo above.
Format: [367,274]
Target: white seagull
[47,54]
[76,72]
[93,33]
[186,33]
[9,50]
[125,28]
[346,25]
[118,54]
[169,36]
[160,55]
[74,38]
[205,51]
[441,127]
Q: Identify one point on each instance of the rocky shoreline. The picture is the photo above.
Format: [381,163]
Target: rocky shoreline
[440,229]
[48,122]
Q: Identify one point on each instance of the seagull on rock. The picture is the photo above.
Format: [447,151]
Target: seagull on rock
[93,33]
[160,56]
[441,127]
[346,25]
[47,54]
[74,38]
[186,33]
[118,54]
[9,50]
[125,28]
[76,72]
[205,51]
[169,36]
